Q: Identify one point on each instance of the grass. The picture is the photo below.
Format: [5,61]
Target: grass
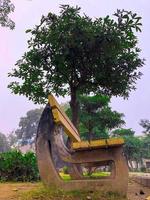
[66,177]
[43,193]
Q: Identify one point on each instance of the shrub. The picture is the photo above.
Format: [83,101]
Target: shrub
[15,166]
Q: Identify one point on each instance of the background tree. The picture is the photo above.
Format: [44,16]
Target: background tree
[96,117]
[146,146]
[6,7]
[12,139]
[122,132]
[132,147]
[4,146]
[71,54]
[133,151]
[145,123]
[28,126]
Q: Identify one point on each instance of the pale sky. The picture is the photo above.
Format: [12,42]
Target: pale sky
[14,43]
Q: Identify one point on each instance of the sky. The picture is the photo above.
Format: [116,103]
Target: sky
[13,44]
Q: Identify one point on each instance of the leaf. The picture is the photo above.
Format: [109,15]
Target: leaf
[134,15]
[28,30]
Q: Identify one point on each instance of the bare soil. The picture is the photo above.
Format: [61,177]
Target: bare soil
[137,191]
[12,191]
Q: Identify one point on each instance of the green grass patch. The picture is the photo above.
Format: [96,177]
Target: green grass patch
[43,193]
[66,177]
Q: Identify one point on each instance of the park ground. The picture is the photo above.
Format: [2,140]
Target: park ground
[36,191]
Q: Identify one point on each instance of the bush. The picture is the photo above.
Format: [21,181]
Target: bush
[15,166]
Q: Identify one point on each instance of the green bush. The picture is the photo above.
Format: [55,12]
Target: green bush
[16,166]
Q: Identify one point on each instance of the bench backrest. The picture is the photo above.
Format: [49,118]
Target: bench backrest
[61,118]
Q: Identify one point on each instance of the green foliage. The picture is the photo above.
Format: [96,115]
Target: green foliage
[146,147]
[28,126]
[15,166]
[145,123]
[133,147]
[122,132]
[96,117]
[71,54]
[54,193]
[6,7]
[4,145]
[72,51]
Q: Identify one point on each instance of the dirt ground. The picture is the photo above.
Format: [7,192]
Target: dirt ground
[137,191]
[11,191]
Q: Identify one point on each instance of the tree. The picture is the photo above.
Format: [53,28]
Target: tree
[28,126]
[145,123]
[6,7]
[146,146]
[12,139]
[96,117]
[72,54]
[132,147]
[133,150]
[4,146]
[122,132]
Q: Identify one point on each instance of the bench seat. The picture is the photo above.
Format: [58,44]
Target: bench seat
[94,144]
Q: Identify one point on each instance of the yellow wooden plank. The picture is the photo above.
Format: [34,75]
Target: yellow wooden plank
[115,141]
[61,117]
[81,145]
[103,143]
[71,131]
[98,143]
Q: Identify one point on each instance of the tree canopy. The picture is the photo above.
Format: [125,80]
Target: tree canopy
[132,147]
[6,7]
[28,126]
[96,117]
[145,123]
[71,54]
[133,150]
[122,132]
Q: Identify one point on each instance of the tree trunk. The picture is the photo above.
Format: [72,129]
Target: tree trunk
[74,104]
[90,135]
[131,165]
